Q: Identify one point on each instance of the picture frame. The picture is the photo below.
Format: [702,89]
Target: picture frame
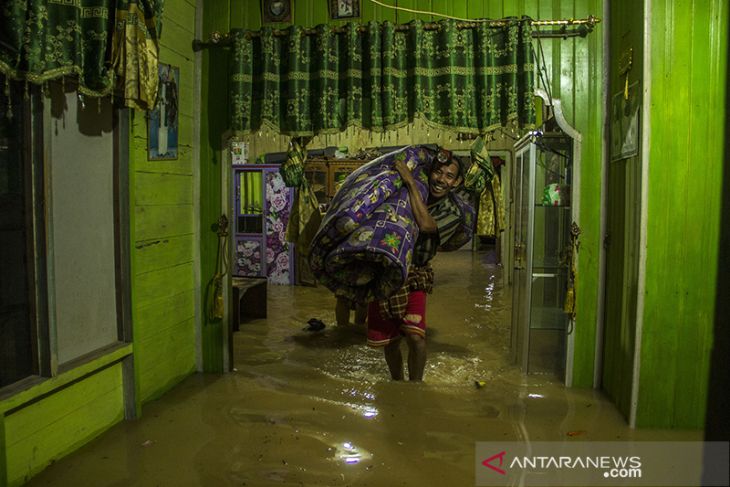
[276,11]
[163,119]
[344,9]
[625,121]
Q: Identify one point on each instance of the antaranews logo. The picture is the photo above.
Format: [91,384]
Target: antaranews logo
[601,463]
[488,462]
[612,466]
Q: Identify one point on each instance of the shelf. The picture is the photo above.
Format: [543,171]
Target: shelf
[548,318]
[546,265]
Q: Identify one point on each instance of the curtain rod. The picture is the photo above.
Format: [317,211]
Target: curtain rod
[584,27]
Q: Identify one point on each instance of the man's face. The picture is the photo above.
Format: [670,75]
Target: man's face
[443,179]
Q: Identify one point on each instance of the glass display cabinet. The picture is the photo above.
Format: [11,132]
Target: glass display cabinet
[542,182]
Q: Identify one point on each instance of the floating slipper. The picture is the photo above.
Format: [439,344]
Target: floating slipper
[314,325]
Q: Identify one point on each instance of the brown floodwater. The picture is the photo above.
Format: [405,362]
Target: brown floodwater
[319,409]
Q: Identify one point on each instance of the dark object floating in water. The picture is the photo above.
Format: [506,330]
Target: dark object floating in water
[314,325]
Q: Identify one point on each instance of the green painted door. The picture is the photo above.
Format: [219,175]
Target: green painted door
[623,210]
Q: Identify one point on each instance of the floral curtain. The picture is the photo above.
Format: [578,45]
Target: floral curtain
[95,41]
[379,77]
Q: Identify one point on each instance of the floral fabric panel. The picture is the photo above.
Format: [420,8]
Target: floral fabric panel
[278,256]
[365,243]
[248,257]
[380,76]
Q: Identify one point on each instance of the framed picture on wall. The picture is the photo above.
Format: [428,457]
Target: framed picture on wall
[625,121]
[162,123]
[276,10]
[344,9]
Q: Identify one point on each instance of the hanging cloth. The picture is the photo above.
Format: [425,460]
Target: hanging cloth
[292,170]
[491,219]
[98,42]
[570,298]
[481,169]
[305,218]
[135,51]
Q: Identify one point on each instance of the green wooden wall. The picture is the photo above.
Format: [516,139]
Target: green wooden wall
[214,103]
[687,55]
[575,70]
[53,418]
[51,428]
[162,229]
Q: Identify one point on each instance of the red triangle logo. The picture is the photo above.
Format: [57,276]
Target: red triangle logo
[488,462]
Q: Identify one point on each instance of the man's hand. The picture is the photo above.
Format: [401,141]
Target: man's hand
[404,172]
[423,218]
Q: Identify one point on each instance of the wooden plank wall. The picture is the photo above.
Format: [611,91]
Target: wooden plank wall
[162,229]
[59,424]
[575,70]
[688,83]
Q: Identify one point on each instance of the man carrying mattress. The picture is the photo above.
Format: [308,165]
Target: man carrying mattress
[404,313]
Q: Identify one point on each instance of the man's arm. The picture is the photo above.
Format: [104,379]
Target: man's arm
[424,220]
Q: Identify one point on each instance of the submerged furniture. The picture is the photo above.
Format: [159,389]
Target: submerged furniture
[542,183]
[249,299]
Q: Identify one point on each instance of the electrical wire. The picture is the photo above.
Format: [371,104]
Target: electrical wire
[425,12]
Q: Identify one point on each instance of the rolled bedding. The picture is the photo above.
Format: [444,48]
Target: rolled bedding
[364,245]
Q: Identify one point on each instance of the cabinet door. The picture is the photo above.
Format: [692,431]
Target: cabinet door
[248,255]
[249,194]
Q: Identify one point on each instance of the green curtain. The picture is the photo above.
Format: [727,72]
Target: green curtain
[378,77]
[43,40]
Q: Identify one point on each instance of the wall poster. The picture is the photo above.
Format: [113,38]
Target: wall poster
[162,123]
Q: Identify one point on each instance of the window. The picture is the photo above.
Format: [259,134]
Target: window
[16,333]
[63,225]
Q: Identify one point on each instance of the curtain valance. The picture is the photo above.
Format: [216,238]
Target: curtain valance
[98,41]
[378,77]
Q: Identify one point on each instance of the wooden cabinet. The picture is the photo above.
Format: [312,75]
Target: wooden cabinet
[326,175]
[262,206]
[318,179]
[338,171]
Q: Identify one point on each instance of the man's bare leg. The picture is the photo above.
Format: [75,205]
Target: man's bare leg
[361,314]
[342,311]
[416,356]
[394,359]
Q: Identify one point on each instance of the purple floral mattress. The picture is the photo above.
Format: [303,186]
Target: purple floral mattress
[364,246]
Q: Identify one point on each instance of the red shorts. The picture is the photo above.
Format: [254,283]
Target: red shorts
[383,330]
